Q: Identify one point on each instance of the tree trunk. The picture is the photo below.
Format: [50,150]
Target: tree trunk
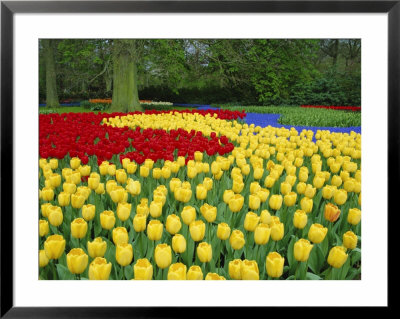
[125,97]
[51,85]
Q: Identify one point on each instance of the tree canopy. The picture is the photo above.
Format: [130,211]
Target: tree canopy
[242,71]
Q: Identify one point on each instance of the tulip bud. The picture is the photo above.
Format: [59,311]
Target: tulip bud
[237,186]
[254,187]
[258,173]
[198,156]
[99,269]
[75,162]
[235,269]
[354,216]
[197,230]
[331,212]
[120,235]
[310,191]
[285,188]
[177,271]
[124,254]
[201,192]
[223,231]
[317,233]
[134,188]
[43,227]
[182,194]
[262,234]
[277,231]
[340,197]
[55,180]
[209,212]
[251,221]
[163,255]
[188,214]
[79,228]
[337,256]
[306,204]
[300,219]
[236,239]
[77,260]
[149,163]
[265,217]
[254,202]
[302,249]
[55,215]
[194,273]
[88,212]
[144,171]
[47,194]
[249,270]
[173,224]
[157,173]
[290,199]
[107,219]
[174,183]
[179,243]
[97,248]
[43,260]
[214,276]
[275,202]
[204,252]
[53,163]
[154,230]
[236,203]
[274,264]
[301,188]
[143,269]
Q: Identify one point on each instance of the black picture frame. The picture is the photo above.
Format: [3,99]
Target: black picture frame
[9,8]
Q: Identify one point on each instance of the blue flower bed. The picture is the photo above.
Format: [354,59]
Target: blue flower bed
[64,104]
[264,120]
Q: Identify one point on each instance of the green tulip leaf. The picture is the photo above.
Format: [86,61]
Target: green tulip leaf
[64,273]
[128,271]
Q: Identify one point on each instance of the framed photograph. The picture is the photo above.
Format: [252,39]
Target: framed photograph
[146,142]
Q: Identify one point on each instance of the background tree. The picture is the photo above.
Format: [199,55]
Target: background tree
[51,85]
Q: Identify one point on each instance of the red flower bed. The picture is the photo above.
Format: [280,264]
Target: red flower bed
[346,108]
[82,135]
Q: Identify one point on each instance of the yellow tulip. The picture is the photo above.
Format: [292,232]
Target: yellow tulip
[157,173]
[77,200]
[75,162]
[236,239]
[79,228]
[209,212]
[275,202]
[262,234]
[234,269]
[100,189]
[43,260]
[249,270]
[99,269]
[201,192]
[223,231]
[154,230]
[340,197]
[182,194]
[300,219]
[236,203]
[97,248]
[310,191]
[64,199]
[254,202]
[143,269]
[337,256]
[55,180]
[107,219]
[237,186]
[306,204]
[194,273]
[277,231]
[301,187]
[302,249]
[317,233]
[88,212]
[354,216]
[204,252]
[47,194]
[120,235]
[188,214]
[144,171]
[54,246]
[134,188]
[77,260]
[43,227]
[274,264]
[163,255]
[251,221]
[285,188]
[173,224]
[265,217]
[179,243]
[177,271]
[197,230]
[124,254]
[290,199]
[55,215]
[214,276]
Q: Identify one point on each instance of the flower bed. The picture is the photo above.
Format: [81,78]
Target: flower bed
[195,195]
[343,108]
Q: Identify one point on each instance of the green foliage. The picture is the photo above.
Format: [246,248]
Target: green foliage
[99,107]
[86,104]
